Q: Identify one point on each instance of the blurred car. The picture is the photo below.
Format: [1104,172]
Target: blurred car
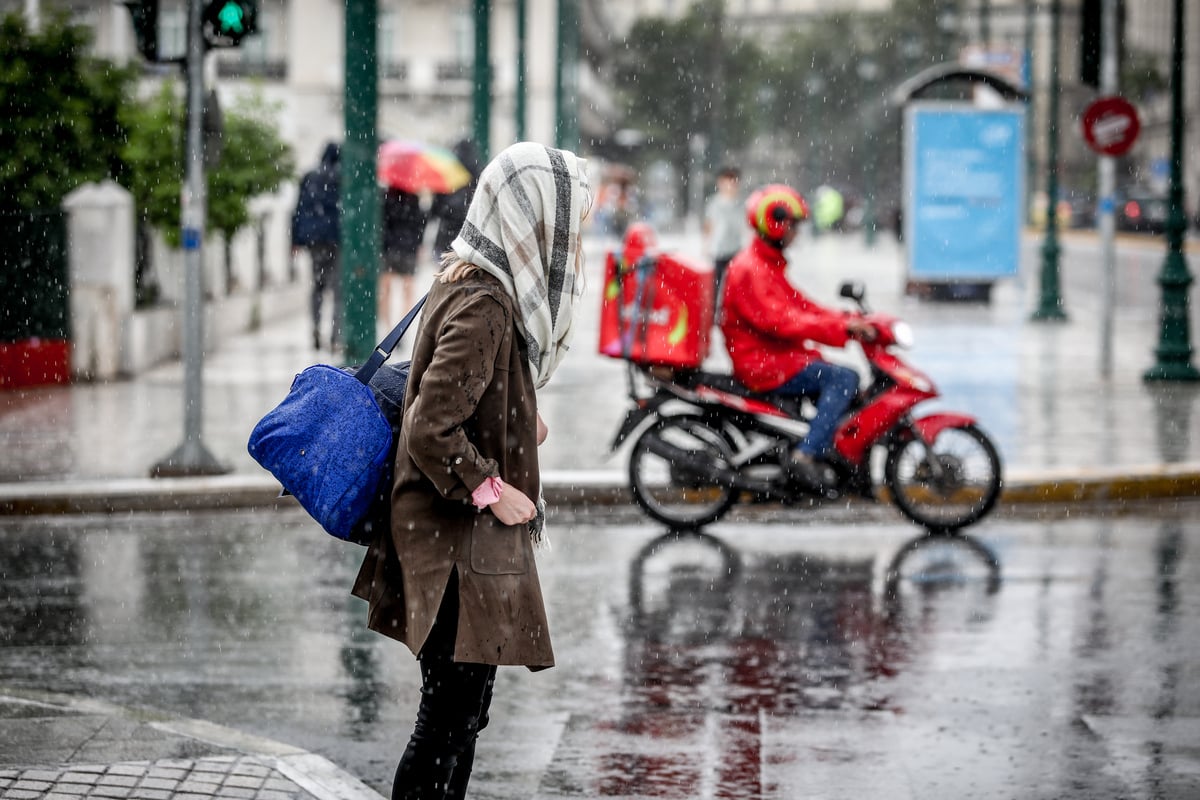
[1142,212]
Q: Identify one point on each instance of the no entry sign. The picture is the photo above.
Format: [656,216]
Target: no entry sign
[1111,125]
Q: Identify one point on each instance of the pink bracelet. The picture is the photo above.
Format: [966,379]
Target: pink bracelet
[487,492]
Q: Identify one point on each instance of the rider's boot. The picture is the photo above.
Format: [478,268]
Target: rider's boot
[809,472]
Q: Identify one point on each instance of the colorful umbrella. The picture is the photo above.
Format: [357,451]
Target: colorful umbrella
[415,166]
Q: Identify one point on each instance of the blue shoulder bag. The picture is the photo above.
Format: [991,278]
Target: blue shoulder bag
[332,441]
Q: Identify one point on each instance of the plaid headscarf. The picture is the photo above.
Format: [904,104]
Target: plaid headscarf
[523,227]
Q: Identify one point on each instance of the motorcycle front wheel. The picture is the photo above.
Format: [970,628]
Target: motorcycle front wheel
[680,471]
[948,485]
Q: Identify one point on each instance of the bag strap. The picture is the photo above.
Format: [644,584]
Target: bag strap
[385,348]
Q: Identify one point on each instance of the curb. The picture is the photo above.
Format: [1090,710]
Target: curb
[571,490]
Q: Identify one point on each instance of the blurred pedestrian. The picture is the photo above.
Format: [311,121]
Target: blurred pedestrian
[624,206]
[403,232]
[451,209]
[724,225]
[455,578]
[316,226]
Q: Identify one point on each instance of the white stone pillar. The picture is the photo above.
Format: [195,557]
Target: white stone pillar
[100,247]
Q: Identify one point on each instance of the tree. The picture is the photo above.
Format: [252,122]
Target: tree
[60,113]
[254,161]
[832,81]
[687,77]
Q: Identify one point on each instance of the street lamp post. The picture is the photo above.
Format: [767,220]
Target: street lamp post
[359,188]
[522,68]
[868,70]
[1174,350]
[566,85]
[1050,305]
[481,81]
[813,85]
[1030,157]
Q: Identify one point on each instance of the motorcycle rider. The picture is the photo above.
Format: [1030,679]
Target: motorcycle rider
[768,326]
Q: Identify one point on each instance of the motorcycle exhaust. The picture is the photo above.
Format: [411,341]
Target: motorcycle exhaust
[690,465]
[690,462]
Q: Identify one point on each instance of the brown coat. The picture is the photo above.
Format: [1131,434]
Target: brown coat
[470,412]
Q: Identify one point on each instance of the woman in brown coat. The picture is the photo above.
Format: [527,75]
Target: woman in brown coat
[455,579]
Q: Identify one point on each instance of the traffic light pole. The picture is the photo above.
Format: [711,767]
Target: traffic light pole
[192,457]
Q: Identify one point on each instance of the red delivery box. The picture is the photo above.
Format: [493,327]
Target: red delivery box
[657,308]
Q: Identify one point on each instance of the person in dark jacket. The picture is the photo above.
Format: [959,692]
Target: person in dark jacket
[316,226]
[455,579]
[403,232]
[451,209]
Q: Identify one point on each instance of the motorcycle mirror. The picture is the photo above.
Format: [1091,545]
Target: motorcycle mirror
[853,290]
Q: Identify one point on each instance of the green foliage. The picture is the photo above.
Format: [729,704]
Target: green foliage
[154,153]
[1142,75]
[818,90]
[60,113]
[254,161]
[679,78]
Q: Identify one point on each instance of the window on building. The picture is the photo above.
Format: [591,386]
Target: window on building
[172,30]
[391,66]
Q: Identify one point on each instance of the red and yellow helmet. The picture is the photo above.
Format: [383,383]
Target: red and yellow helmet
[772,208]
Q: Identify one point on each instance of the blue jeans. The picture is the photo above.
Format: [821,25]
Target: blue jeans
[835,388]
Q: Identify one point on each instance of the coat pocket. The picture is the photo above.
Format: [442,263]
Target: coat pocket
[496,548]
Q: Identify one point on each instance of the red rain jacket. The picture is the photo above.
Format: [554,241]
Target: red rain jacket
[768,323]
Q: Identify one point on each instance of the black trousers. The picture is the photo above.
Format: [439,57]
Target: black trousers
[454,708]
[327,276]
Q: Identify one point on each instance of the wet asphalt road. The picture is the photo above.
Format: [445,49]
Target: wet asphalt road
[785,658]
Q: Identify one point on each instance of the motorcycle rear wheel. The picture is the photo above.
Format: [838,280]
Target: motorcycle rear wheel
[675,472]
[967,488]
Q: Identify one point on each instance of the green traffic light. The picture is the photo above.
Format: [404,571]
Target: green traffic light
[231,17]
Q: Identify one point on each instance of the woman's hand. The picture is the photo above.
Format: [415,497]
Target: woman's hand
[514,507]
[542,430]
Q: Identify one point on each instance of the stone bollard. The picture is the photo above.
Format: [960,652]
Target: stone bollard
[100,244]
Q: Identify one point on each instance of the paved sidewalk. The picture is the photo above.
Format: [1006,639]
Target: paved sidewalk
[60,748]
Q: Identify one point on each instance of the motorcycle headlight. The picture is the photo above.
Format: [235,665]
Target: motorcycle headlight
[902,332]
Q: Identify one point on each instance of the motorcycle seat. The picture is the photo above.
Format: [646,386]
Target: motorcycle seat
[724,382]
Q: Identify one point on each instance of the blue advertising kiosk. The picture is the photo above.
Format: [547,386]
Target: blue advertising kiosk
[964,185]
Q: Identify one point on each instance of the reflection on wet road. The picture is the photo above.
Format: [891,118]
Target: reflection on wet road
[1039,659]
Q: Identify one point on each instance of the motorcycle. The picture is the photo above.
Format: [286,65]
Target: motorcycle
[711,442]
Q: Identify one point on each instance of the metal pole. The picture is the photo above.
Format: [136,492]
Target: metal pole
[192,457]
[985,23]
[566,129]
[1108,87]
[1050,306]
[481,115]
[1030,150]
[359,249]
[1174,350]
[522,69]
